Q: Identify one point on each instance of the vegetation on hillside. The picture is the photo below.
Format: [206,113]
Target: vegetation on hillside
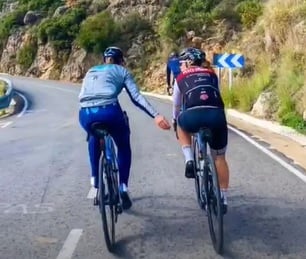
[277,65]
[2,88]
[269,33]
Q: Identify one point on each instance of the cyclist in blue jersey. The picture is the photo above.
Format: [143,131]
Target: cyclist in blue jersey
[173,68]
[197,103]
[98,99]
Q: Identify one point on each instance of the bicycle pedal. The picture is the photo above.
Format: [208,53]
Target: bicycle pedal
[119,209]
[95,201]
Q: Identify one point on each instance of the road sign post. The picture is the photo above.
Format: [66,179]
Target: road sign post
[229,61]
[230,78]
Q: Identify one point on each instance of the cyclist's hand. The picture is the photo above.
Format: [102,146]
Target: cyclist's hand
[162,122]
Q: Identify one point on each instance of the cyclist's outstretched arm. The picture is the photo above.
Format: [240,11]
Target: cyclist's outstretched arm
[137,98]
[140,101]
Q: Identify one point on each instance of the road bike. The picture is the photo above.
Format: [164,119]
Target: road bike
[207,187]
[107,196]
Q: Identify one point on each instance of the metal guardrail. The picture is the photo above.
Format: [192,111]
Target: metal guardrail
[7,98]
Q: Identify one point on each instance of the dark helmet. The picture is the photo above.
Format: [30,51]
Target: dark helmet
[115,53]
[194,55]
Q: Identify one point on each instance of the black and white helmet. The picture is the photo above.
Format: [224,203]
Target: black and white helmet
[193,55]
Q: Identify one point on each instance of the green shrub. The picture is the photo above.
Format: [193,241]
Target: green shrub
[27,54]
[2,88]
[290,79]
[9,22]
[61,31]
[2,3]
[245,91]
[294,120]
[226,10]
[186,15]
[133,24]
[98,6]
[249,11]
[43,5]
[97,32]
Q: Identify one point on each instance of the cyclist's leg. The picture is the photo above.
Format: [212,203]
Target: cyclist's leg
[120,132]
[187,124]
[218,146]
[85,119]
[218,151]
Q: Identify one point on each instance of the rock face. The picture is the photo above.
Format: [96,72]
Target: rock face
[46,65]
[43,63]
[78,63]
[31,18]
[149,9]
[9,54]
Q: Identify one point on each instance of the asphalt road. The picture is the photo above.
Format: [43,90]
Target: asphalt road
[45,211]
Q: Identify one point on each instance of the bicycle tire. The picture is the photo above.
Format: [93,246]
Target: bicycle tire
[115,182]
[214,205]
[108,227]
[198,179]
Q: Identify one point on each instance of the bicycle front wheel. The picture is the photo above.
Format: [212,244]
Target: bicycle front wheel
[106,205]
[198,178]
[214,206]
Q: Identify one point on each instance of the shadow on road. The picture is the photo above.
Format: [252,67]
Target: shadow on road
[266,227]
[170,225]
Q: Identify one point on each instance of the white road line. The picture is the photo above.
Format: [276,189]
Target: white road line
[286,165]
[25,107]
[92,193]
[5,124]
[70,244]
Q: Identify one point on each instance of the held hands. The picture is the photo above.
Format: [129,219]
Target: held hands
[162,122]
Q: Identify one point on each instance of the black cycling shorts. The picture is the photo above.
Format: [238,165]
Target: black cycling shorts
[193,119]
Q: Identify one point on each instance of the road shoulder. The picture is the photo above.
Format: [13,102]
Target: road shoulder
[282,139]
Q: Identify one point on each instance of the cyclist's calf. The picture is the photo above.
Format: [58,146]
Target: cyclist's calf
[222,169]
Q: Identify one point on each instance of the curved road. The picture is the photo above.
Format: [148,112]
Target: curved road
[46,210]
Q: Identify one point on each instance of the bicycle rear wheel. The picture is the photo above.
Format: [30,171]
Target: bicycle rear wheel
[106,204]
[214,206]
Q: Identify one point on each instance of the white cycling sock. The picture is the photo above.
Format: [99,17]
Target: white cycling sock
[224,195]
[123,187]
[92,181]
[187,153]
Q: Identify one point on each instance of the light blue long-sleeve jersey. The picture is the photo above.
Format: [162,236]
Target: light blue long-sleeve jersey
[102,85]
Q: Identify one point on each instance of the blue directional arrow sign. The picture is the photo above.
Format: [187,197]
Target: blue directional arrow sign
[228,60]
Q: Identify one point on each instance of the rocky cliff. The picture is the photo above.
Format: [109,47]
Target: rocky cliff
[44,60]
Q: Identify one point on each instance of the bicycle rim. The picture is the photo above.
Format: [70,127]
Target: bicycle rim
[107,209]
[197,180]
[115,184]
[214,207]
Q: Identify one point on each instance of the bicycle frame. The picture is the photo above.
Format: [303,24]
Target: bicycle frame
[109,151]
